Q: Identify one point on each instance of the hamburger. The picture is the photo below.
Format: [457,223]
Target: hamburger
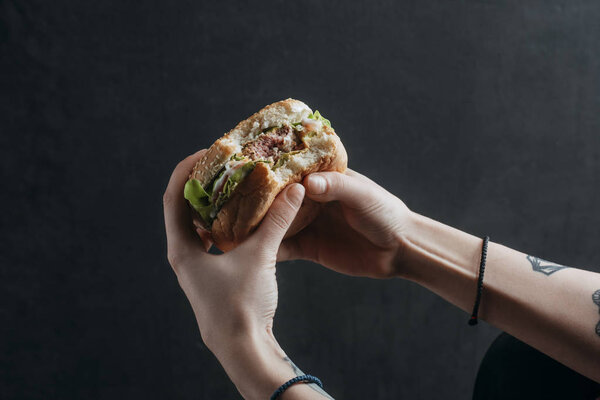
[235,182]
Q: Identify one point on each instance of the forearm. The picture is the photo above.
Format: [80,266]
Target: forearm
[257,365]
[550,308]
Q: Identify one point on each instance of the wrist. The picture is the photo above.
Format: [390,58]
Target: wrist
[254,362]
[427,245]
[400,262]
[408,263]
[261,340]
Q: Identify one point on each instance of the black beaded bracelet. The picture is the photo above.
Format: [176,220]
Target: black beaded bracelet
[301,378]
[473,320]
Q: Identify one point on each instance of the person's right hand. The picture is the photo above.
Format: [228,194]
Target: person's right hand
[358,229]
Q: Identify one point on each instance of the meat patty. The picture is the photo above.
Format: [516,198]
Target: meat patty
[272,144]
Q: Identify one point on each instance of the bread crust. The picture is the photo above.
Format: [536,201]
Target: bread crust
[245,208]
[253,196]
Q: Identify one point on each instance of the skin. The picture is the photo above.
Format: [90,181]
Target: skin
[363,230]
[234,295]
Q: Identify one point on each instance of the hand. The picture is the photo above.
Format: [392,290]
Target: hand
[358,230]
[233,294]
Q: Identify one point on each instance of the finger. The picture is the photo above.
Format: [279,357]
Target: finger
[307,244]
[206,238]
[301,246]
[351,172]
[330,186]
[358,175]
[178,222]
[204,234]
[288,250]
[279,217]
[307,214]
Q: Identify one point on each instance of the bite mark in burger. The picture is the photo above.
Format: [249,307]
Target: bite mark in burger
[237,179]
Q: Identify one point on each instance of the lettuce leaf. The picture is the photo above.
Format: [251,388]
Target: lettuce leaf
[318,117]
[199,199]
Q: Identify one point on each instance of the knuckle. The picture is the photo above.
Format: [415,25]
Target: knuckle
[338,182]
[374,206]
[183,162]
[279,219]
[175,259]
[385,271]
[307,250]
[167,198]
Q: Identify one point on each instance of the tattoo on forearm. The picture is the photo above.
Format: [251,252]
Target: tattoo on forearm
[543,266]
[596,300]
[313,386]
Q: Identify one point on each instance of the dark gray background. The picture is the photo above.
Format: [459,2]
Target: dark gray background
[484,115]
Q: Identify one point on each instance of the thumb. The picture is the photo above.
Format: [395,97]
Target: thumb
[350,190]
[280,216]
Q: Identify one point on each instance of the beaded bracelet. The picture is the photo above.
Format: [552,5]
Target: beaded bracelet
[301,378]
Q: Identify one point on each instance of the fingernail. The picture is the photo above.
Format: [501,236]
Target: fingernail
[295,194]
[316,184]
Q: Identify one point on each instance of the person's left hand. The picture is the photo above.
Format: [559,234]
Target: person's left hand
[232,294]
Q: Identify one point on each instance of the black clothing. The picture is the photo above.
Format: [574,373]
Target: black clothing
[512,369]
